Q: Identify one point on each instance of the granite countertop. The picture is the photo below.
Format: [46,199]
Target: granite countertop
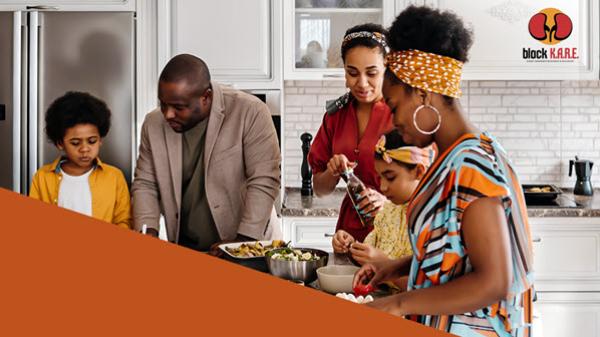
[294,205]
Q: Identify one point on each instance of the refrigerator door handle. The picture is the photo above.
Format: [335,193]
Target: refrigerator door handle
[33,94]
[17,113]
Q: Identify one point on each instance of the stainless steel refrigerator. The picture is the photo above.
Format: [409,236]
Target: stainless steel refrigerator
[44,54]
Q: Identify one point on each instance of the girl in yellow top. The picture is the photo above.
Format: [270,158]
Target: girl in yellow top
[76,123]
[400,168]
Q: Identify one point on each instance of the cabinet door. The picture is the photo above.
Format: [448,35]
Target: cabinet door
[567,314]
[71,5]
[504,47]
[233,37]
[567,254]
[310,232]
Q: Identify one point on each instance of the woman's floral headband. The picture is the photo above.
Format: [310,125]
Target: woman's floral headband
[378,37]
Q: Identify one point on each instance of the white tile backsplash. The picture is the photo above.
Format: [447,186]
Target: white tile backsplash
[541,124]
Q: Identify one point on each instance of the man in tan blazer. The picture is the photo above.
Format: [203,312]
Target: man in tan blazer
[209,162]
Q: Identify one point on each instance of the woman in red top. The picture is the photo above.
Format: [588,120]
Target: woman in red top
[350,129]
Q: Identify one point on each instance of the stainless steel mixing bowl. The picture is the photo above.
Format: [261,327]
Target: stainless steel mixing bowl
[305,271]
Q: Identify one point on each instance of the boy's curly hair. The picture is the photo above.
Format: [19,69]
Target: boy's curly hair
[76,108]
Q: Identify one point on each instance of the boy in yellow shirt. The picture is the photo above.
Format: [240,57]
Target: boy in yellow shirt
[76,123]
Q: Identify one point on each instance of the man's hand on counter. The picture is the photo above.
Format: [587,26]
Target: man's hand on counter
[152,232]
[214,248]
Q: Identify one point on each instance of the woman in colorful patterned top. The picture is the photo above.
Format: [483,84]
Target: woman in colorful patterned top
[471,272]
[400,168]
[351,127]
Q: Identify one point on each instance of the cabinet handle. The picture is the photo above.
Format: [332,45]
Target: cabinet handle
[328,235]
[42,8]
[537,239]
[333,75]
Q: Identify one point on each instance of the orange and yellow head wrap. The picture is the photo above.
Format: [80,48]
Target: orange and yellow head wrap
[427,71]
[411,155]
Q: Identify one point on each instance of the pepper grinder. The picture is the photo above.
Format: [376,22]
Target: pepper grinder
[305,170]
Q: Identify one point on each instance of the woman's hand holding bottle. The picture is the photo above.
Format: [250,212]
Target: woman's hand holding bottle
[338,164]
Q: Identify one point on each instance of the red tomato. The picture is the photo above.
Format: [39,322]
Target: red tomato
[363,289]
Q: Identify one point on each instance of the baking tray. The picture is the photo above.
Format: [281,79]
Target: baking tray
[540,197]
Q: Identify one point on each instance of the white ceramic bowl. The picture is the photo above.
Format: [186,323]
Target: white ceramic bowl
[336,278]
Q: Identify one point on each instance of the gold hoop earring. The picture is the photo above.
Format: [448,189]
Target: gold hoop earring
[437,112]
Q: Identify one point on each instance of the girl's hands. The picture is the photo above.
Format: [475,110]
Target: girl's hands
[370,202]
[364,253]
[342,241]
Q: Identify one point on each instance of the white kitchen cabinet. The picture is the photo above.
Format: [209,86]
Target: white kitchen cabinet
[314,30]
[240,40]
[567,254]
[309,232]
[567,275]
[71,5]
[502,37]
[568,314]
